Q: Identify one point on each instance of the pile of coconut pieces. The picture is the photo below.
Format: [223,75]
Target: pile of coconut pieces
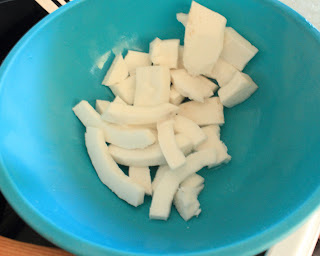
[164,113]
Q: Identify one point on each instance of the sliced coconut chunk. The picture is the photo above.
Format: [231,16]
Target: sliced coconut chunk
[117,99]
[165,52]
[169,184]
[169,147]
[101,105]
[126,114]
[108,171]
[152,86]
[193,181]
[136,59]
[129,138]
[175,97]
[237,50]
[209,112]
[150,156]
[188,86]
[190,129]
[117,72]
[203,40]
[159,175]
[223,72]
[141,176]
[240,88]
[182,18]
[125,89]
[186,203]
[213,141]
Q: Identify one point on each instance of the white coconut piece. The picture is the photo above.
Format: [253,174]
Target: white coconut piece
[193,181]
[213,141]
[188,86]
[209,112]
[165,52]
[152,86]
[117,72]
[175,97]
[126,114]
[135,59]
[240,88]
[182,18]
[223,72]
[101,105]
[190,129]
[159,175]
[108,171]
[150,156]
[203,40]
[141,176]
[126,137]
[125,89]
[169,147]
[237,50]
[169,184]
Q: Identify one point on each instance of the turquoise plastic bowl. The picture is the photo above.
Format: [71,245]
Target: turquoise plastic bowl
[270,186]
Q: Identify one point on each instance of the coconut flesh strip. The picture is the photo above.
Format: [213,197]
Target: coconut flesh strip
[159,175]
[175,97]
[190,129]
[169,184]
[125,89]
[213,141]
[149,156]
[129,138]
[135,59]
[117,72]
[203,40]
[189,86]
[108,171]
[135,115]
[152,86]
[209,112]
[169,147]
[141,176]
[237,50]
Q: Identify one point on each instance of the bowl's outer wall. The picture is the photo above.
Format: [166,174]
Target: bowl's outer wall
[271,184]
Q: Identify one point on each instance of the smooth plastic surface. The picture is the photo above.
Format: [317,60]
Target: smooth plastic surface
[270,186]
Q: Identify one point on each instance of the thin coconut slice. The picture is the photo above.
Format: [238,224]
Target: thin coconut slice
[223,72]
[189,86]
[159,175]
[240,88]
[150,156]
[213,141]
[101,105]
[203,40]
[126,114]
[209,112]
[169,147]
[117,72]
[169,184]
[165,52]
[136,59]
[190,129]
[125,89]
[237,50]
[152,86]
[141,176]
[175,97]
[108,171]
[126,137]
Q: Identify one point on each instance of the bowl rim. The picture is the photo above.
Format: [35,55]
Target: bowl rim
[73,243]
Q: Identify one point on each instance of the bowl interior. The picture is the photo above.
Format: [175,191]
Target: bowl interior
[270,185]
